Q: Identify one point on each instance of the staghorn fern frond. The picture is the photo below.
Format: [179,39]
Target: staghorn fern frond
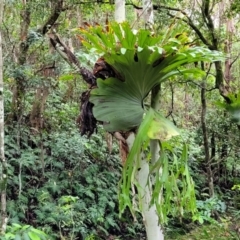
[142,61]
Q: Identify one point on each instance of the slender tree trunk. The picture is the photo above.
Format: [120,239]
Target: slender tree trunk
[149,214]
[41,95]
[205,139]
[19,88]
[148,13]
[3,169]
[223,154]
[153,228]
[119,15]
[230,31]
[36,115]
[213,146]
[150,217]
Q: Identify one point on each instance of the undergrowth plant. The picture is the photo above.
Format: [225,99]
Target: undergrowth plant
[26,232]
[71,191]
[59,182]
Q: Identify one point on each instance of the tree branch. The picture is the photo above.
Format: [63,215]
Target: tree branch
[188,20]
[195,28]
[70,58]
[209,22]
[55,13]
[234,60]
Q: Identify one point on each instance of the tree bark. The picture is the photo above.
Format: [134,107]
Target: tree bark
[148,13]
[19,88]
[3,170]
[150,217]
[228,50]
[149,214]
[119,14]
[205,139]
[38,106]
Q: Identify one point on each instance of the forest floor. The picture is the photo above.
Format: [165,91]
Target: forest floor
[209,232]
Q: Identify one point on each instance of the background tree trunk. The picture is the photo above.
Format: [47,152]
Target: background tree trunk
[119,14]
[3,170]
[19,88]
[148,13]
[208,160]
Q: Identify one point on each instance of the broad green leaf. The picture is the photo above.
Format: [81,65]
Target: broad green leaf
[119,104]
[33,236]
[17,237]
[9,235]
[25,227]
[39,232]
[16,226]
[25,236]
[118,110]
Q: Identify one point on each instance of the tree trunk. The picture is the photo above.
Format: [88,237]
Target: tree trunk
[119,15]
[149,214]
[42,92]
[19,88]
[205,139]
[21,81]
[150,217]
[3,172]
[148,13]
[36,115]
[213,146]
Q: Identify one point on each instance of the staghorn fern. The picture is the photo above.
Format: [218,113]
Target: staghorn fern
[141,61]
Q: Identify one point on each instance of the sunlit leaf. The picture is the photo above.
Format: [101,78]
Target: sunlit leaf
[66,77]
[161,128]
[34,236]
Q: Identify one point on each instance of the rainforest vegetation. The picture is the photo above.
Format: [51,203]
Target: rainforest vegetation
[119,119]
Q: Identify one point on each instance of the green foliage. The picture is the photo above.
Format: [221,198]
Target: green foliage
[233,108]
[66,185]
[73,192]
[207,207]
[26,232]
[207,232]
